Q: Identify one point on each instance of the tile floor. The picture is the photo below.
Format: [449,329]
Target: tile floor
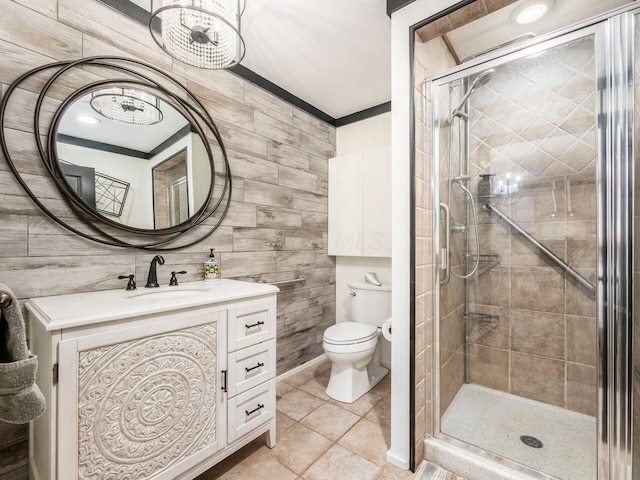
[319,438]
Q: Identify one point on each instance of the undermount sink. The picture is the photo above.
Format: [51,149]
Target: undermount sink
[166,293]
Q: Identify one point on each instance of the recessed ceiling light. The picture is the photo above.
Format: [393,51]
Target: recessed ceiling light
[531,11]
[88,119]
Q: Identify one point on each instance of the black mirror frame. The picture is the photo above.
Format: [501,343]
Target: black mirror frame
[190,107]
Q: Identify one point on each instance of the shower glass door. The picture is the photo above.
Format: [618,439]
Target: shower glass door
[516,146]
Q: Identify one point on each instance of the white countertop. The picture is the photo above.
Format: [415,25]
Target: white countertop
[81,309]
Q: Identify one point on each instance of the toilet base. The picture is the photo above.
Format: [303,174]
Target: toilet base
[348,383]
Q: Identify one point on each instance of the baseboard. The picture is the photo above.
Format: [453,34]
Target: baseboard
[397,461]
[319,359]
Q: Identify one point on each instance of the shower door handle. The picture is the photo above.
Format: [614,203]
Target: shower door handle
[444,252]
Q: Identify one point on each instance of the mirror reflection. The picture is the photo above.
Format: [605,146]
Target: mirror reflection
[133,158]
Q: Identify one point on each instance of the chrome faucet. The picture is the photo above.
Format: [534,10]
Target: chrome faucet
[152,278]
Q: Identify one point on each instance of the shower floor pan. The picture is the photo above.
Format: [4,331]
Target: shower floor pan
[495,421]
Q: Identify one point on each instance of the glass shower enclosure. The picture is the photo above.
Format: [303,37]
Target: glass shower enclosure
[534,152]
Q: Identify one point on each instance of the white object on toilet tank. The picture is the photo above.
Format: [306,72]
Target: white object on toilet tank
[370,304]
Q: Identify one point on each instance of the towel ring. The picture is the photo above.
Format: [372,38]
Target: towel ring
[5,300]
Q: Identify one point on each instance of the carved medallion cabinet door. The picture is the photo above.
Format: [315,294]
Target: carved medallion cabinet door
[142,402]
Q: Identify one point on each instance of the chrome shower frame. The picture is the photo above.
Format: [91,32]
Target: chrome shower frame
[613,35]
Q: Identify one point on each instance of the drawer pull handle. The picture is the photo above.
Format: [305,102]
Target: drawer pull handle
[260,364]
[254,410]
[257,324]
[224,381]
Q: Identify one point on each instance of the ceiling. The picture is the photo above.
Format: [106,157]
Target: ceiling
[334,54]
[496,28]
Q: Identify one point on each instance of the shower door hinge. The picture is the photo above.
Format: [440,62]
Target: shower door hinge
[55,373]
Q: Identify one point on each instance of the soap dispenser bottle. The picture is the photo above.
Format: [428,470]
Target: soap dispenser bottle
[211,268]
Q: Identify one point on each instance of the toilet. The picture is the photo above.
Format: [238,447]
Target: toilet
[354,346]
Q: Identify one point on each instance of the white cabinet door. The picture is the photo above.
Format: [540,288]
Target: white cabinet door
[345,205]
[360,204]
[376,195]
[142,402]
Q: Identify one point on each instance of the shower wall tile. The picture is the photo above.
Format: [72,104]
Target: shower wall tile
[451,379]
[492,287]
[489,367]
[490,333]
[538,378]
[526,292]
[578,302]
[538,333]
[451,335]
[581,388]
[581,340]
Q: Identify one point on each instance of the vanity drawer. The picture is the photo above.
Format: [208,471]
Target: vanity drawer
[251,324]
[250,409]
[251,366]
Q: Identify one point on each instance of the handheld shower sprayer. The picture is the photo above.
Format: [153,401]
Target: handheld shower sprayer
[479,81]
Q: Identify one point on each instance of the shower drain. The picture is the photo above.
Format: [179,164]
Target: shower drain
[530,441]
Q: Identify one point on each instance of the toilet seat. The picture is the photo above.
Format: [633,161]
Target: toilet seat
[348,333]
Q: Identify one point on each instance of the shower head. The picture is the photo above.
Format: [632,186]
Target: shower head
[478,82]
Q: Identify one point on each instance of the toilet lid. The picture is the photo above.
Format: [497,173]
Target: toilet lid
[349,332]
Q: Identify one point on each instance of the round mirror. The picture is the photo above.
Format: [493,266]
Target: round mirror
[133,158]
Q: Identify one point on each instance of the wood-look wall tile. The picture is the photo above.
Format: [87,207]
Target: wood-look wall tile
[296,260]
[315,277]
[17,60]
[114,28]
[67,243]
[23,205]
[315,146]
[324,260]
[276,130]
[224,108]
[42,276]
[292,301]
[312,125]
[192,263]
[248,166]
[247,263]
[288,156]
[23,101]
[12,433]
[257,239]
[241,215]
[242,141]
[262,193]
[44,35]
[301,320]
[13,235]
[220,81]
[323,185]
[315,220]
[299,239]
[292,350]
[46,7]
[291,177]
[322,295]
[318,165]
[268,104]
[310,201]
[278,217]
[329,312]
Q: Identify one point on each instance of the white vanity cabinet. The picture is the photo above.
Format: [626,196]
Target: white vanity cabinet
[152,384]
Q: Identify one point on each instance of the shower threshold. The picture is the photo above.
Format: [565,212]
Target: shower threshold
[495,421]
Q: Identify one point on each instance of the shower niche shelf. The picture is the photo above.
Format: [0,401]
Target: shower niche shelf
[477,317]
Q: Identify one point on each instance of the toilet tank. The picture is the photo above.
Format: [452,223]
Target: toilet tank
[371,304]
